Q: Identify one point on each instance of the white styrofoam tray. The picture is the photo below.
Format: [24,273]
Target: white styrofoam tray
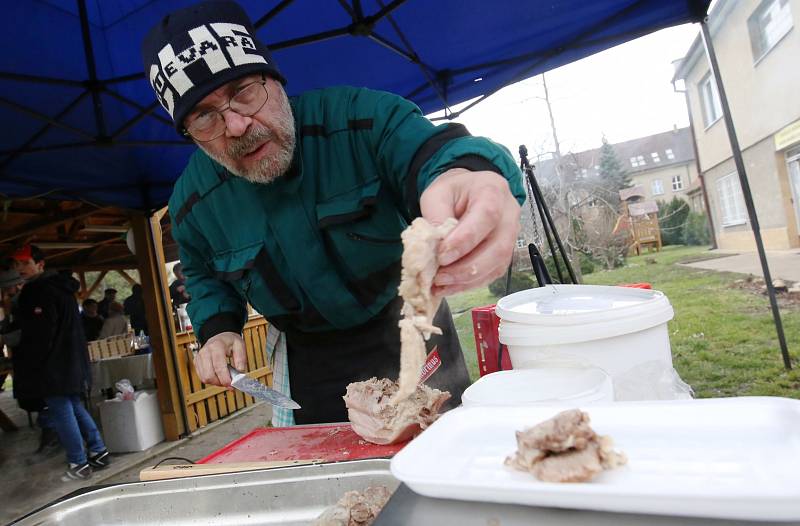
[735,458]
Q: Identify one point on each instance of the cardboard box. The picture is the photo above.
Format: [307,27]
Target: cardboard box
[132,425]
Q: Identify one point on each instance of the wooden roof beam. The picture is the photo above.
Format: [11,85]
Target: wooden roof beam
[35,226]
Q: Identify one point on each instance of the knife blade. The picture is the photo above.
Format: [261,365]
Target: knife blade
[260,391]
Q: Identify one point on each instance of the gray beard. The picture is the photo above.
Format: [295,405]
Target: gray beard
[269,168]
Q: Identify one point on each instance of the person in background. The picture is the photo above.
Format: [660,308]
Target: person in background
[177,289]
[92,321]
[134,308]
[116,323]
[11,283]
[109,296]
[10,286]
[53,355]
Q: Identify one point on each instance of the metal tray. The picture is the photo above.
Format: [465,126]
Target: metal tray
[293,495]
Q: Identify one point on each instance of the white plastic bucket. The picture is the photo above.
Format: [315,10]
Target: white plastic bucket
[613,328]
[524,387]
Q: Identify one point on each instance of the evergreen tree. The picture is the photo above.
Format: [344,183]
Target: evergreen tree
[612,174]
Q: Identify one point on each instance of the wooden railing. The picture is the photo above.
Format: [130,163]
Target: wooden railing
[207,403]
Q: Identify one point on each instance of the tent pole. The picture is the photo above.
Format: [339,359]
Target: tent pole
[748,196]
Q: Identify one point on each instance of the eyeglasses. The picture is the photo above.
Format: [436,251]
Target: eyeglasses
[209,123]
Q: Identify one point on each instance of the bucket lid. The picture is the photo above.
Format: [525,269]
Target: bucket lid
[574,386]
[580,304]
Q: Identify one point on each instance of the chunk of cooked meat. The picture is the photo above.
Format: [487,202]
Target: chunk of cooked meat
[378,418]
[355,508]
[420,263]
[564,449]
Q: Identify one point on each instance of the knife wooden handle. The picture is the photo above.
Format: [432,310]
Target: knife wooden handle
[173,471]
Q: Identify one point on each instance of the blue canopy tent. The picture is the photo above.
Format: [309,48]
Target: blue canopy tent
[81,122]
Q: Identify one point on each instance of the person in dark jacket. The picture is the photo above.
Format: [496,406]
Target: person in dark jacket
[92,321]
[11,283]
[53,355]
[109,296]
[134,309]
[177,289]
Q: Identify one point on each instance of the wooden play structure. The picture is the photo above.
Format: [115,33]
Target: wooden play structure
[639,218]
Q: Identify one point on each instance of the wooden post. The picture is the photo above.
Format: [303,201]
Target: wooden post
[96,283]
[127,277]
[153,275]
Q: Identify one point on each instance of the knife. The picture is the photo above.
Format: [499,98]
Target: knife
[260,391]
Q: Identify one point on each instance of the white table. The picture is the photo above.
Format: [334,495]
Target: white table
[137,368]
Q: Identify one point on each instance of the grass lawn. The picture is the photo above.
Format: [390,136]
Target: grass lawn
[723,339]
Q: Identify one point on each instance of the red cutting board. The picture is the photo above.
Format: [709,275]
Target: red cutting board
[329,442]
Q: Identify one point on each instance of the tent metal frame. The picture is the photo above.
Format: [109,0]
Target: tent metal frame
[748,196]
[364,26]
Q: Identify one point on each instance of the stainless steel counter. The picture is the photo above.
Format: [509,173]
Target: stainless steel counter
[407,508]
[286,496]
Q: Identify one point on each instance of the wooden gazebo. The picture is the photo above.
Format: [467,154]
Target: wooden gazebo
[83,237]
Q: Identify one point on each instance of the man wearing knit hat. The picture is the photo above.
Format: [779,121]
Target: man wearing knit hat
[296,206]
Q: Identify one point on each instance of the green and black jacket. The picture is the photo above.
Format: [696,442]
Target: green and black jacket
[319,249]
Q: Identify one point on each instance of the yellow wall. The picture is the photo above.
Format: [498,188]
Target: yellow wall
[774,239]
[688,173]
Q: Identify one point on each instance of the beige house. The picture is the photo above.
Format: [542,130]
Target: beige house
[758,47]
[662,164]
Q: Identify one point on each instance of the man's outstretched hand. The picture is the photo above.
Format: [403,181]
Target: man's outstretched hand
[479,249]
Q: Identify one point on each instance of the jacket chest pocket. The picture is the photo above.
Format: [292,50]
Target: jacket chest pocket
[361,230]
[252,273]
[235,267]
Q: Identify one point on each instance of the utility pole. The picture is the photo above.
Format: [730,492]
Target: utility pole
[562,192]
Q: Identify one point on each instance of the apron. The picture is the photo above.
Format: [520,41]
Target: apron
[321,365]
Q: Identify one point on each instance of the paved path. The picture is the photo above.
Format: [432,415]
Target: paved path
[783,264]
[31,480]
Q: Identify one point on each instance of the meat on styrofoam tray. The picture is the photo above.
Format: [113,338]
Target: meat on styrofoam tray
[564,449]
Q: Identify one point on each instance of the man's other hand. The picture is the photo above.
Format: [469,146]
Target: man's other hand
[479,249]
[211,363]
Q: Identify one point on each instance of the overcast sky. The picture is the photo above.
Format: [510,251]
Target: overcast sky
[624,93]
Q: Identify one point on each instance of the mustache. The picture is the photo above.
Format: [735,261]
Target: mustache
[246,143]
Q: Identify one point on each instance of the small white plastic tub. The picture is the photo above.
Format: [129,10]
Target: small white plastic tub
[614,328]
[571,386]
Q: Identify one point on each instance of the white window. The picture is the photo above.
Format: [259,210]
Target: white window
[669,153]
[656,158]
[677,183]
[520,243]
[731,202]
[637,161]
[584,173]
[657,187]
[712,110]
[771,20]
